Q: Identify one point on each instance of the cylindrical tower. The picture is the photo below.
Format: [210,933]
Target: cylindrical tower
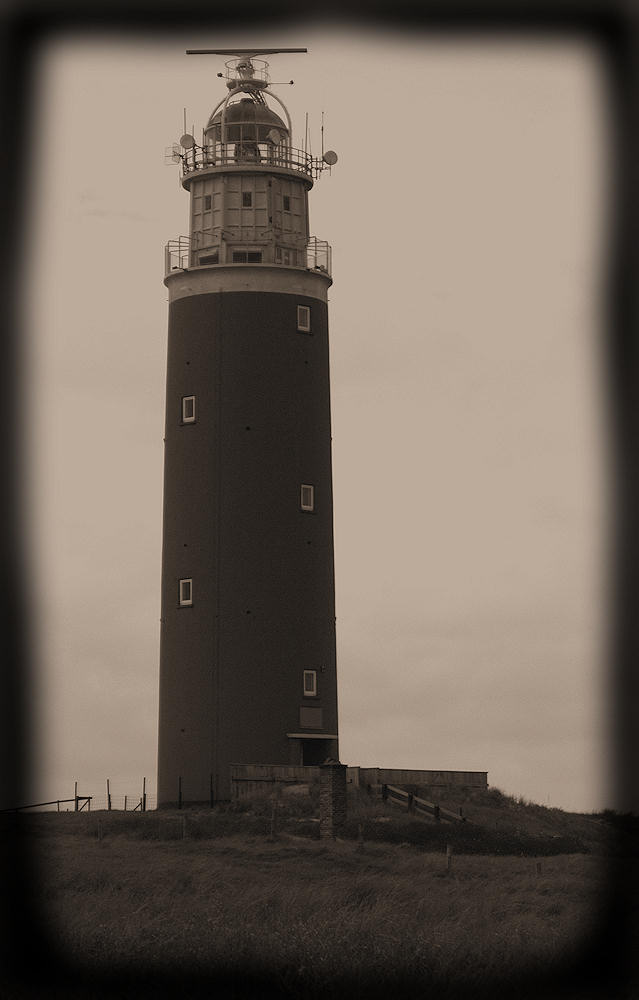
[247,660]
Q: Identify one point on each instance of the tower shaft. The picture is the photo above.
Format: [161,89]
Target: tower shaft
[247,661]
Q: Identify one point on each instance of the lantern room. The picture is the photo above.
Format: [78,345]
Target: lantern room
[248,184]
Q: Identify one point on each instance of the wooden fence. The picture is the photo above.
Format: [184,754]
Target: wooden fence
[418,806]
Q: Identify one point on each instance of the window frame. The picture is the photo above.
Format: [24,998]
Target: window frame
[185,419]
[313,675]
[247,195]
[309,509]
[254,253]
[206,259]
[183,601]
[303,324]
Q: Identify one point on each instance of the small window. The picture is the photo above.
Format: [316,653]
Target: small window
[247,199]
[286,203]
[247,257]
[207,202]
[307,497]
[210,258]
[186,593]
[188,409]
[304,319]
[311,717]
[310,683]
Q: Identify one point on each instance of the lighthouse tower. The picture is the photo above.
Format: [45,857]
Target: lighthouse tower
[247,658]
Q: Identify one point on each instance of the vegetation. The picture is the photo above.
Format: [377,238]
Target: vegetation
[187,893]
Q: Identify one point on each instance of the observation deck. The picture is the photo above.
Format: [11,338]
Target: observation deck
[316,255]
[256,155]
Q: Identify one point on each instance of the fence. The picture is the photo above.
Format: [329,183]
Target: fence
[263,779]
[418,806]
[127,802]
[377,776]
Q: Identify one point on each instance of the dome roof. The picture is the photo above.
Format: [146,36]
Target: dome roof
[246,110]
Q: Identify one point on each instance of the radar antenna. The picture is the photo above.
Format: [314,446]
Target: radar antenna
[240,52]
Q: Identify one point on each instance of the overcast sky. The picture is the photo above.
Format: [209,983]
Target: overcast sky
[467,215]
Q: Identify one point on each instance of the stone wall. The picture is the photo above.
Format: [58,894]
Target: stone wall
[332,799]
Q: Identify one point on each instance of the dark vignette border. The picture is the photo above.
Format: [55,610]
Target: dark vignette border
[30,963]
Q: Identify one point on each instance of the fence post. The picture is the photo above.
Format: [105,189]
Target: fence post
[436,814]
[143,794]
[410,805]
[384,793]
[271,836]
[75,795]
[125,803]
[108,796]
[58,805]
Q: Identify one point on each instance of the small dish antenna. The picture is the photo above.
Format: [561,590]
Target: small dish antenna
[275,137]
[330,157]
[187,141]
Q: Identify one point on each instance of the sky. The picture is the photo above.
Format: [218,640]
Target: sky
[467,215]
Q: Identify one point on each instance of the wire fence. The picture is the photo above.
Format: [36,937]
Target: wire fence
[131,800]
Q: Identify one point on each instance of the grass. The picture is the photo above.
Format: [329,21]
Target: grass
[312,912]
[125,892]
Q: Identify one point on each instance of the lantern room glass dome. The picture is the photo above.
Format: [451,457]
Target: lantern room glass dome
[244,120]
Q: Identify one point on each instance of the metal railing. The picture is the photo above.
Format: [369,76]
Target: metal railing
[176,254]
[318,255]
[249,153]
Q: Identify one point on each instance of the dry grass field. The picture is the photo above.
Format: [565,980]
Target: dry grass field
[163,898]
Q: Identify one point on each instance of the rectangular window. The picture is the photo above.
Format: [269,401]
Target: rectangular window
[207,202]
[247,257]
[209,258]
[310,683]
[286,203]
[247,199]
[311,718]
[186,593]
[188,409]
[307,497]
[304,319]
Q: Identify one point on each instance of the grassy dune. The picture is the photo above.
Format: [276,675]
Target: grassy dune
[181,894]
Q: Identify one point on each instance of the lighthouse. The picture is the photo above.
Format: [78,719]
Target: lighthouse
[247,647]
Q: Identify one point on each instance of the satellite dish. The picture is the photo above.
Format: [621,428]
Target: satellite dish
[330,157]
[187,141]
[274,136]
